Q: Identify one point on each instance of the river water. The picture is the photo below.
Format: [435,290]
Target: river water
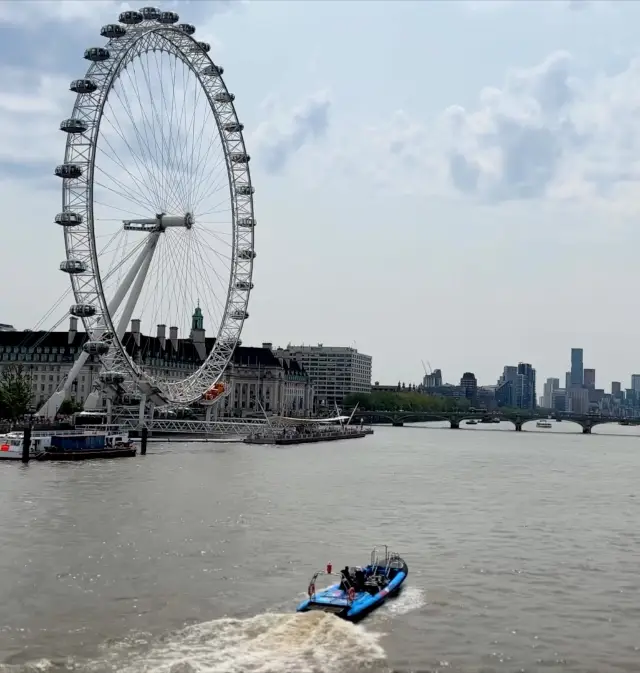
[523,552]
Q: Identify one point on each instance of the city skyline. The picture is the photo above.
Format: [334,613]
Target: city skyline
[462,189]
[576,375]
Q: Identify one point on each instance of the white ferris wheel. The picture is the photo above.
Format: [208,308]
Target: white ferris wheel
[157,208]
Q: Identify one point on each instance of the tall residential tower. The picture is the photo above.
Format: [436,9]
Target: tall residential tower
[577,367]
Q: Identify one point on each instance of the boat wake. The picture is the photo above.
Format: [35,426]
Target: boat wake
[313,642]
[410,599]
[267,643]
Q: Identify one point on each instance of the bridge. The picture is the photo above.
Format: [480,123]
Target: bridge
[454,418]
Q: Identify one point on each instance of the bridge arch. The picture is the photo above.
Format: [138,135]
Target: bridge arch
[563,423]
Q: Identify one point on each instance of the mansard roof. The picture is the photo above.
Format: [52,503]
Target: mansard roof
[291,366]
[149,347]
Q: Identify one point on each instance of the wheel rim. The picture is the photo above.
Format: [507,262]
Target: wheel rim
[145,38]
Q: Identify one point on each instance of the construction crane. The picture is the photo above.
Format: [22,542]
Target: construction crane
[425,368]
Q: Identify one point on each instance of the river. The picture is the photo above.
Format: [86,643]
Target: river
[523,552]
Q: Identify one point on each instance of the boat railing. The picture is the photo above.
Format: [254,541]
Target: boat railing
[389,560]
[377,560]
[283,431]
[84,430]
[311,590]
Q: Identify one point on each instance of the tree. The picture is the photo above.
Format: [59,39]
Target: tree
[15,392]
[404,401]
[69,407]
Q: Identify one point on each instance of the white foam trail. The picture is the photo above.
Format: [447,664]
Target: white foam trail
[410,599]
[38,666]
[312,642]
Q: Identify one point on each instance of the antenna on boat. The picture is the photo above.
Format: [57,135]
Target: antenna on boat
[353,412]
[265,414]
[338,415]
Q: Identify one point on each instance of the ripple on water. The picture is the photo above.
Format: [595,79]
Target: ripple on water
[267,643]
[522,551]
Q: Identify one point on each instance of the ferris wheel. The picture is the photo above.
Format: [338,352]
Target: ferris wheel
[157,208]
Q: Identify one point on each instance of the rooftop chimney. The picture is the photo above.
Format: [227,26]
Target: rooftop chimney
[73,329]
[162,335]
[173,336]
[267,344]
[135,330]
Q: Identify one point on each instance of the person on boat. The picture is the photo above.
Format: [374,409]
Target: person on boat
[359,580]
[345,581]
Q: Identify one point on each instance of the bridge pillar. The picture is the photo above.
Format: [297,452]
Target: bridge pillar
[586,429]
[397,424]
[518,425]
[455,423]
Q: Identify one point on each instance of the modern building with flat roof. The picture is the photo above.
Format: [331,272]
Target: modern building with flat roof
[334,371]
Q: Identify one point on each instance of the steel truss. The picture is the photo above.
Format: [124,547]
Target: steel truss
[222,428]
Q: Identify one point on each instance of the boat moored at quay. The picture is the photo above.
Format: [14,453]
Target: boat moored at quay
[282,430]
[11,445]
[79,444]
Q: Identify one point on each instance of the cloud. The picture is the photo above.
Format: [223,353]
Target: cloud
[31,109]
[549,131]
[36,99]
[23,12]
[489,6]
[512,144]
[578,5]
[278,139]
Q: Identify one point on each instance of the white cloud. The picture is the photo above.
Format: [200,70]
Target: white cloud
[31,109]
[24,11]
[544,133]
[488,6]
[511,145]
[279,138]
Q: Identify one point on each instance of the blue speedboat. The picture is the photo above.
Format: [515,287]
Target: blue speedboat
[358,590]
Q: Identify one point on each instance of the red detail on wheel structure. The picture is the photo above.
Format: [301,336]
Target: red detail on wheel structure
[351,593]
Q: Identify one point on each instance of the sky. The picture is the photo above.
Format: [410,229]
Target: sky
[453,182]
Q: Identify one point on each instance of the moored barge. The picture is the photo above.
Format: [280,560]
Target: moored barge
[88,446]
[285,431]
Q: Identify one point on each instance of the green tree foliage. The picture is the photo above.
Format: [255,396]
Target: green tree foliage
[69,407]
[15,392]
[404,401]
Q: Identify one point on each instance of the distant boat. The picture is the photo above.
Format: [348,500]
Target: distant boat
[471,422]
[544,424]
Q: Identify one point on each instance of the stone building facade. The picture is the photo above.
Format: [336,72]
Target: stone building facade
[254,374]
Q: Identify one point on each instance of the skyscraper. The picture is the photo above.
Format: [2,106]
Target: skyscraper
[526,386]
[547,392]
[469,385]
[590,378]
[577,368]
[635,382]
[506,389]
[579,399]
[616,389]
